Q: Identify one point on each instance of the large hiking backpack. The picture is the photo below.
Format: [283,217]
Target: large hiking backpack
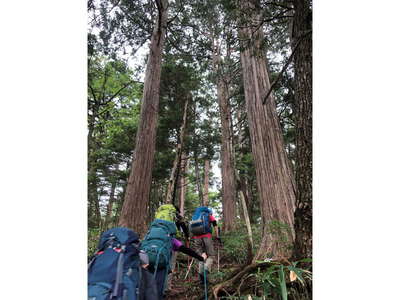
[200,223]
[114,272]
[166,212]
[158,243]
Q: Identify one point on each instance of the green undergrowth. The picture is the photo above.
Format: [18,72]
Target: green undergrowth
[276,282]
[93,240]
[285,282]
[234,244]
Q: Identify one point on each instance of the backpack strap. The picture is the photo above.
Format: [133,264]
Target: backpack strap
[158,260]
[139,284]
[118,277]
[91,261]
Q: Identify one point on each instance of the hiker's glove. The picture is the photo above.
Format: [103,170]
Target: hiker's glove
[204,256]
[219,240]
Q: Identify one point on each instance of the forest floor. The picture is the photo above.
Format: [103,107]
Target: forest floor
[191,288]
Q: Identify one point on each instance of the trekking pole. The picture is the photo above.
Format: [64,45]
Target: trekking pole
[218,257]
[188,246]
[187,273]
[205,282]
[219,245]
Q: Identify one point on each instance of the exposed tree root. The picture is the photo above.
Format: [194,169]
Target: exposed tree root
[235,282]
[228,286]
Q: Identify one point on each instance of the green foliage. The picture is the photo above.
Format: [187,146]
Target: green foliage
[215,202]
[235,243]
[123,26]
[192,198]
[177,84]
[274,280]
[280,232]
[113,112]
[242,298]
[282,283]
[93,240]
[216,276]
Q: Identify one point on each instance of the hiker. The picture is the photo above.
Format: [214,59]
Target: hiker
[159,244]
[170,212]
[200,227]
[182,231]
[181,225]
[177,246]
[118,269]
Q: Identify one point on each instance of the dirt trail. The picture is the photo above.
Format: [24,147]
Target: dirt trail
[185,289]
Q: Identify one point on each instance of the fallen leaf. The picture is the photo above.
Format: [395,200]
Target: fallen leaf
[292,276]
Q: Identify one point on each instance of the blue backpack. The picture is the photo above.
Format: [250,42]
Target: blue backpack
[200,223]
[158,243]
[114,272]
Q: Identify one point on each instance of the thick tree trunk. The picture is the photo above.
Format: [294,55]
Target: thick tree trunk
[173,180]
[227,171]
[274,176]
[156,197]
[302,26]
[137,194]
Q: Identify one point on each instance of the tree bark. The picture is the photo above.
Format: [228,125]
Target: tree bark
[242,196]
[227,171]
[93,201]
[183,187]
[93,206]
[244,185]
[110,205]
[206,180]
[198,179]
[173,180]
[274,177]
[245,211]
[302,26]
[137,194]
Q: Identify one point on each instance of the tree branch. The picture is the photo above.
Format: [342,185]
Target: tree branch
[279,5]
[93,93]
[285,66]
[120,90]
[116,94]
[179,11]
[103,87]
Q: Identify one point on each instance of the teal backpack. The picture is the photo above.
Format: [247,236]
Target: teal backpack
[158,243]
